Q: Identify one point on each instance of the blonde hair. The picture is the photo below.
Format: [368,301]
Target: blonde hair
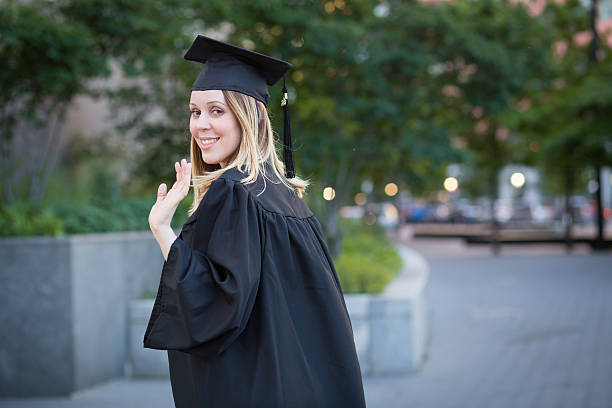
[256,148]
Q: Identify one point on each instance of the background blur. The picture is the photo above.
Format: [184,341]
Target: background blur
[476,111]
[457,129]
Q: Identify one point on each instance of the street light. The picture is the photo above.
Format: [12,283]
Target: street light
[517,180]
[451,184]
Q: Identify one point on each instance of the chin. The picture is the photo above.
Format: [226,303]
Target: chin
[210,158]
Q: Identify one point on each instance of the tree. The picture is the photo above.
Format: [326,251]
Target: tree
[46,62]
[493,52]
[568,120]
[51,51]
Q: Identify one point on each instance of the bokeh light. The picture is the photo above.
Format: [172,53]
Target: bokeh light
[329,193]
[517,179]
[451,184]
[360,199]
[391,189]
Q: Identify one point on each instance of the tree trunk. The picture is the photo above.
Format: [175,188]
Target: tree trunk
[599,240]
[33,146]
[334,233]
[568,218]
[494,223]
[40,178]
[345,175]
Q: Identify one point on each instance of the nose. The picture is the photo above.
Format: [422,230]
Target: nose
[203,121]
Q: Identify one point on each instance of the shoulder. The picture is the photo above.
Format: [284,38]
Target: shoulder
[226,193]
[231,176]
[267,191]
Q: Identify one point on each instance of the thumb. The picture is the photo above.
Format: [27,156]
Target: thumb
[162,190]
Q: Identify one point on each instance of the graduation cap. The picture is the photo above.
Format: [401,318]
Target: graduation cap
[228,67]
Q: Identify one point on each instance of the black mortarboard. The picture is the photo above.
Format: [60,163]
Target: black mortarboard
[237,69]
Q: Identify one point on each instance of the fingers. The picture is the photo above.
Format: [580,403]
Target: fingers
[162,190]
[183,176]
[181,168]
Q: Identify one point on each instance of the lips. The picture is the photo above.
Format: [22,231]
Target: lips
[208,142]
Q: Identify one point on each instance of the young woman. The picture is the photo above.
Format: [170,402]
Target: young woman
[249,306]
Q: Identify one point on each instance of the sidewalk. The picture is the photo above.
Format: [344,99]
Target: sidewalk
[530,328]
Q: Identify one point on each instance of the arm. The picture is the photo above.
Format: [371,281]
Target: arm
[207,292]
[166,204]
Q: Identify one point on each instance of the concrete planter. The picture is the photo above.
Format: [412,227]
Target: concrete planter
[64,308]
[144,362]
[72,316]
[390,333]
[390,329]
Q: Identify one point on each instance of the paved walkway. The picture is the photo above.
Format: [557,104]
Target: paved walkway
[530,328]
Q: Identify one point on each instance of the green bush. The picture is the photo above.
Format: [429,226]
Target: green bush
[368,261]
[23,218]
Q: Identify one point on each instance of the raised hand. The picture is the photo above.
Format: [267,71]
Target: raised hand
[163,210]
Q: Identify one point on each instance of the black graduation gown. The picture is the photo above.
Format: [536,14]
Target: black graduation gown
[249,305]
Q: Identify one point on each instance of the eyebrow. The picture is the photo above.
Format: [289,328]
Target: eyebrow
[207,103]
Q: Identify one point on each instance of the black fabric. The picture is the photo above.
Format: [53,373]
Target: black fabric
[233,68]
[287,144]
[249,306]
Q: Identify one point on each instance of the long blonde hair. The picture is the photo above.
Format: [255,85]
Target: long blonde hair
[256,148]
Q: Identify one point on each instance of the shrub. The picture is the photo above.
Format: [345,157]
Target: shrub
[368,261]
[22,218]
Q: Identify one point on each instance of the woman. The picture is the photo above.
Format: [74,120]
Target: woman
[249,306]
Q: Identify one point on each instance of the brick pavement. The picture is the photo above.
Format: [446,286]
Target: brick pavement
[516,331]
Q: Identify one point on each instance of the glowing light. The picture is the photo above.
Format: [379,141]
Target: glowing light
[517,180]
[360,199]
[451,184]
[329,193]
[391,189]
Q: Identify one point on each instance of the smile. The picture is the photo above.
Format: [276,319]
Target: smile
[207,143]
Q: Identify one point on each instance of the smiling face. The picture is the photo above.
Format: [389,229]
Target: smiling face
[213,126]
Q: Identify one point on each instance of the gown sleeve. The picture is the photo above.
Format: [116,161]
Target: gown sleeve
[206,293]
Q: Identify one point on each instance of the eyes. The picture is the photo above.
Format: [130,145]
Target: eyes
[213,112]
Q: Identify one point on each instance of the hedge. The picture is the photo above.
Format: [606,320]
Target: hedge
[368,261]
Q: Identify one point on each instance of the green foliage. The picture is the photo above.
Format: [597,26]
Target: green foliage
[368,262]
[567,128]
[366,91]
[22,218]
[46,57]
[492,53]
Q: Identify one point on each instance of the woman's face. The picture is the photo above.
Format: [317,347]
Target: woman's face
[214,126]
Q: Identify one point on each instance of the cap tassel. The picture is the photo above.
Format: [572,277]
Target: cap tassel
[287,147]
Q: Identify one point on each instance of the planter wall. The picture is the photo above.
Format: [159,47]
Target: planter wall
[390,335]
[72,315]
[64,308]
